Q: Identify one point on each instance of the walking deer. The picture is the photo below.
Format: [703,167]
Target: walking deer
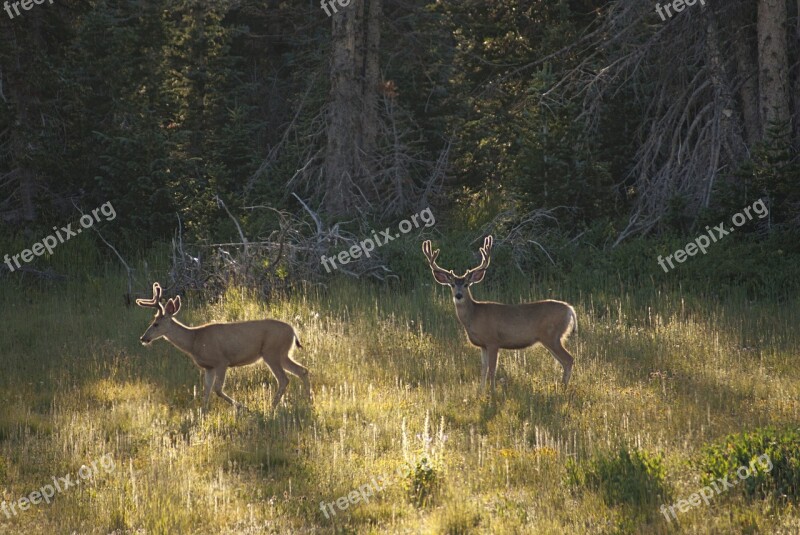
[215,347]
[495,326]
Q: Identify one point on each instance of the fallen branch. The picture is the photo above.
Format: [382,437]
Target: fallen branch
[128,270]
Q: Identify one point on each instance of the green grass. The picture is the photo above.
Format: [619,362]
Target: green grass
[395,382]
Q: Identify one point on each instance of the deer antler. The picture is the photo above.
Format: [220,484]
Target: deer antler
[431,255]
[486,254]
[487,244]
[155,302]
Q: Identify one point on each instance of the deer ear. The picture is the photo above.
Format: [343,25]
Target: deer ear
[173,306]
[442,277]
[476,276]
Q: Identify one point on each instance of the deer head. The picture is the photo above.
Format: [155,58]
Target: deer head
[459,285]
[163,320]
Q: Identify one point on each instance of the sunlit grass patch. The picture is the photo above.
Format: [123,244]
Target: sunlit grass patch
[395,381]
[110,391]
[17,423]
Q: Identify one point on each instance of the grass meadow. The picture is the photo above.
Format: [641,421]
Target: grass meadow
[395,385]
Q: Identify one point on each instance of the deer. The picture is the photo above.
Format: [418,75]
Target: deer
[215,347]
[494,326]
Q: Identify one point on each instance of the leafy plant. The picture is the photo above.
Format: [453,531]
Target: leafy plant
[422,482]
[782,448]
[623,477]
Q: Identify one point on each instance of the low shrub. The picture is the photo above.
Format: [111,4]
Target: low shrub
[780,446]
[422,482]
[622,477]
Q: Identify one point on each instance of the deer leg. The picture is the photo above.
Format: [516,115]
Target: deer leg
[491,362]
[298,370]
[484,368]
[564,358]
[209,383]
[220,384]
[283,381]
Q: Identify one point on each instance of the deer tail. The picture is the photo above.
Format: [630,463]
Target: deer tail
[574,320]
[573,324]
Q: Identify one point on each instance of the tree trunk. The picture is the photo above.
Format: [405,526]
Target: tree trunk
[340,152]
[353,115]
[24,100]
[372,76]
[730,121]
[796,90]
[746,65]
[773,63]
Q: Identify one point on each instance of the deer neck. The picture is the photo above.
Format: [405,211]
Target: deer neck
[181,336]
[465,309]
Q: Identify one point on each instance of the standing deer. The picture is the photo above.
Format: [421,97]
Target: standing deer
[495,326]
[215,347]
